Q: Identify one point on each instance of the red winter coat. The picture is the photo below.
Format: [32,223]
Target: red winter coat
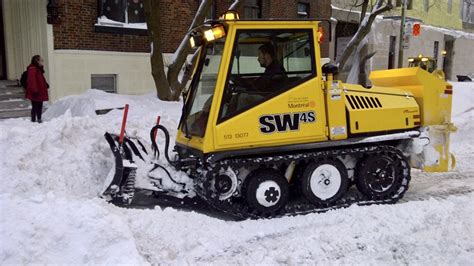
[36,85]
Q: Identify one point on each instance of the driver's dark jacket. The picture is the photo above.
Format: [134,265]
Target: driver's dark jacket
[272,79]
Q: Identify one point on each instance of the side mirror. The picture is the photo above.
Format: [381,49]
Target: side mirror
[330,68]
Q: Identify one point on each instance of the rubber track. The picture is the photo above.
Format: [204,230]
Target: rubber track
[238,209]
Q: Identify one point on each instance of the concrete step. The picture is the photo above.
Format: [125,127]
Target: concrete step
[11,90]
[9,97]
[8,83]
[15,113]
[15,104]
[12,101]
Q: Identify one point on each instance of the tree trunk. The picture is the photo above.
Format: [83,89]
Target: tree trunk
[152,14]
[168,85]
[363,30]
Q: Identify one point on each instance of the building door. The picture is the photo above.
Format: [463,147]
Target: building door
[391,52]
[3,60]
[448,57]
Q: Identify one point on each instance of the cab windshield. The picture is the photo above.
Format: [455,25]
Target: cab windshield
[202,90]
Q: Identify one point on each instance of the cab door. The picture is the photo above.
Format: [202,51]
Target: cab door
[272,104]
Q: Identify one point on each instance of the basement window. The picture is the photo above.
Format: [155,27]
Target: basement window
[104,82]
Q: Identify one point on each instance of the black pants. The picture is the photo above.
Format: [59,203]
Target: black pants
[36,110]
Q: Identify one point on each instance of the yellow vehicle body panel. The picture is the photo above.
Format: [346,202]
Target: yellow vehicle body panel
[431,93]
[243,131]
[380,109]
[336,110]
[434,96]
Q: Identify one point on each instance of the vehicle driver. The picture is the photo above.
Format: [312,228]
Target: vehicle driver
[271,80]
[274,73]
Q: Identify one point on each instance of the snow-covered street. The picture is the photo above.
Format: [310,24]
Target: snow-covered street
[51,174]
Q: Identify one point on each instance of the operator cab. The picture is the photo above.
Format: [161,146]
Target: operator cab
[263,63]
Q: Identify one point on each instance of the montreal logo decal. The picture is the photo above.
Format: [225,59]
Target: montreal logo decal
[285,122]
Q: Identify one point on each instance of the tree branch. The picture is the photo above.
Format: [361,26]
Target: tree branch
[184,49]
[234,5]
[152,14]
[363,30]
[365,5]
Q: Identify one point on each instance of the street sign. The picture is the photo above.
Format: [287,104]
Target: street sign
[408,28]
[406,41]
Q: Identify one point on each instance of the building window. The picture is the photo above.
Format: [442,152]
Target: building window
[253,9]
[303,10]
[436,50]
[450,6]
[104,82]
[467,11]
[125,11]
[399,3]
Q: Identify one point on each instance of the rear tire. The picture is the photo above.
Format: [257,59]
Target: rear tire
[266,191]
[324,181]
[380,176]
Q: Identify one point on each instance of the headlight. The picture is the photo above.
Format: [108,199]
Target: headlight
[192,42]
[214,33]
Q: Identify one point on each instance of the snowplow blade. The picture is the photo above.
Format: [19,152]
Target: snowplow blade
[119,186]
[123,187]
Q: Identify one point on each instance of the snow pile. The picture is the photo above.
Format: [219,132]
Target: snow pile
[76,105]
[51,174]
[463,117]
[49,229]
[87,103]
[104,21]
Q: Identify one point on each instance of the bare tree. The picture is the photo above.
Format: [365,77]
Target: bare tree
[168,82]
[380,7]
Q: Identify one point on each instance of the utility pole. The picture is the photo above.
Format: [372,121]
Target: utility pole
[402,34]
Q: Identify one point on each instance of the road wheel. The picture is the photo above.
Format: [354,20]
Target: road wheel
[266,191]
[379,176]
[324,181]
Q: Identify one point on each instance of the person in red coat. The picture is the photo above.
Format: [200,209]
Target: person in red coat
[36,87]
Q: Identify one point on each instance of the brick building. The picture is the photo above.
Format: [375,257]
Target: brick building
[105,44]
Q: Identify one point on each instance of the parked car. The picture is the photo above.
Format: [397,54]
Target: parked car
[466,78]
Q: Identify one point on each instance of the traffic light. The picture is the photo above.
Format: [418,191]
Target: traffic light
[416,29]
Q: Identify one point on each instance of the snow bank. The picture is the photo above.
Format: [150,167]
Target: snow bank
[51,174]
[463,118]
[48,229]
[87,103]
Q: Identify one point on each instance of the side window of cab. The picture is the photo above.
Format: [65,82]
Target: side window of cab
[264,64]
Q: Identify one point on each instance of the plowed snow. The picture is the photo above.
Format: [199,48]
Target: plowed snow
[50,213]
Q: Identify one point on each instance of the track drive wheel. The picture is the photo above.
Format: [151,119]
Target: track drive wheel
[382,176]
[324,181]
[266,191]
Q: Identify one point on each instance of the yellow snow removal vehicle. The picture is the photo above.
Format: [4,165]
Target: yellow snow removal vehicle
[427,63]
[266,130]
